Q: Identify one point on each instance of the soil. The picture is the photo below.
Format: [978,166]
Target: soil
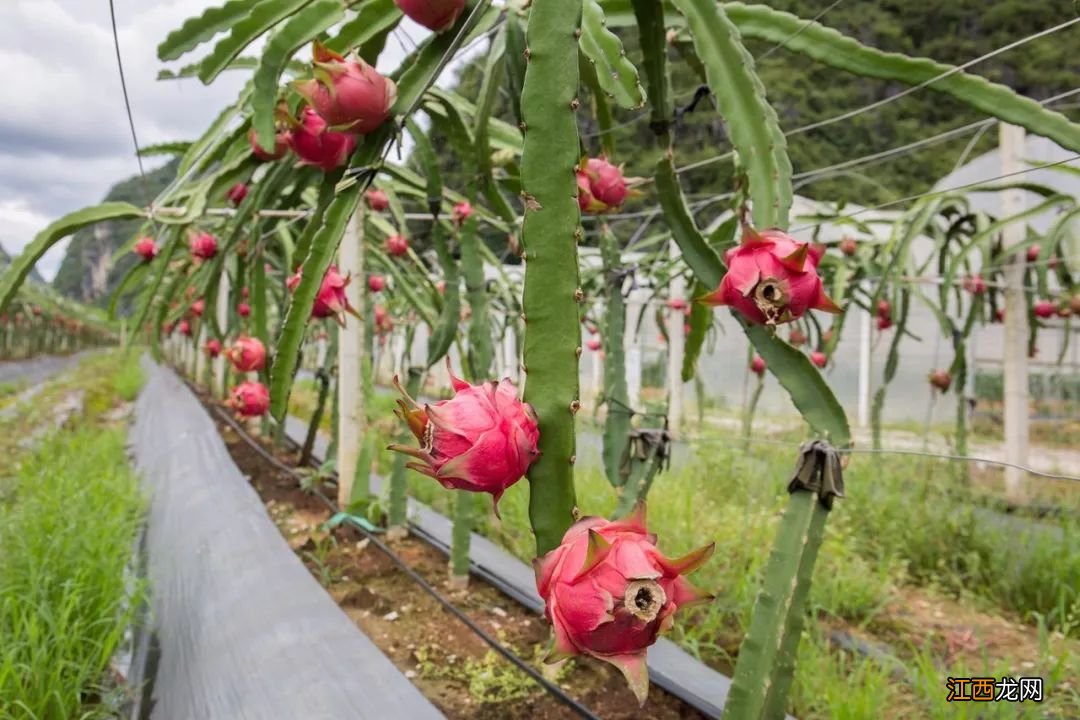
[446,660]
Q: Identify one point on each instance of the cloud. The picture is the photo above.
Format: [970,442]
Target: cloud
[64,137]
[18,226]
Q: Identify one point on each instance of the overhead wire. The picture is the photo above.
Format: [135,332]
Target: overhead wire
[683,95]
[903,93]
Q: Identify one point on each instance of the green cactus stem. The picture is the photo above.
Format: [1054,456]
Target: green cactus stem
[616,395]
[322,376]
[550,234]
[398,504]
[751,409]
[767,657]
[459,542]
[480,352]
[892,361]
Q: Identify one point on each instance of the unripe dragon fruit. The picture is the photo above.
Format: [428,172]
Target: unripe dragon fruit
[849,247]
[213,347]
[771,279]
[243,309]
[609,592]
[376,283]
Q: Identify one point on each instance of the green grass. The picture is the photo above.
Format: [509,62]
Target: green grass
[896,528]
[907,523]
[69,511]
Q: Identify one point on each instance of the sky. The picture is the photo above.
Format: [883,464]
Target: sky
[64,137]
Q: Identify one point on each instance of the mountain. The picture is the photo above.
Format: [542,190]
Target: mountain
[805,92]
[87,272]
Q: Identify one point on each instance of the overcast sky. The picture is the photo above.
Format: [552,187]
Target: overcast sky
[64,138]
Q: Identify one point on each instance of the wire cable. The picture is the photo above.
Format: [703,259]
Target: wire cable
[127,101]
[682,96]
[907,91]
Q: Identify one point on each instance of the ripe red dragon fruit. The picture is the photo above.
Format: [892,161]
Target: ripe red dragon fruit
[435,15]
[317,145]
[397,245]
[884,322]
[331,300]
[974,284]
[1044,308]
[999,315]
[145,248]
[243,309]
[771,279]
[601,186]
[198,307]
[249,399]
[247,354]
[609,592]
[383,322]
[848,246]
[757,365]
[281,146]
[213,347]
[1033,253]
[204,246]
[461,212]
[593,344]
[376,283]
[350,95]
[884,309]
[941,380]
[184,327]
[818,358]
[377,200]
[237,193]
[483,439]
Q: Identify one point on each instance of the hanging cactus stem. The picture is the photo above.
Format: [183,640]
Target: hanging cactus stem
[550,233]
[766,662]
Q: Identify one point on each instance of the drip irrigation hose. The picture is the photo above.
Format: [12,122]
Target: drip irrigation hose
[551,688]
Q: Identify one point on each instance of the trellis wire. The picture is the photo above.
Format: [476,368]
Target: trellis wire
[683,95]
[892,98]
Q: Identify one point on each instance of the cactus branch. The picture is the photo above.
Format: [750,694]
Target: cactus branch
[550,235]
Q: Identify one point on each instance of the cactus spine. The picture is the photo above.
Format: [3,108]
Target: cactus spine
[550,235]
